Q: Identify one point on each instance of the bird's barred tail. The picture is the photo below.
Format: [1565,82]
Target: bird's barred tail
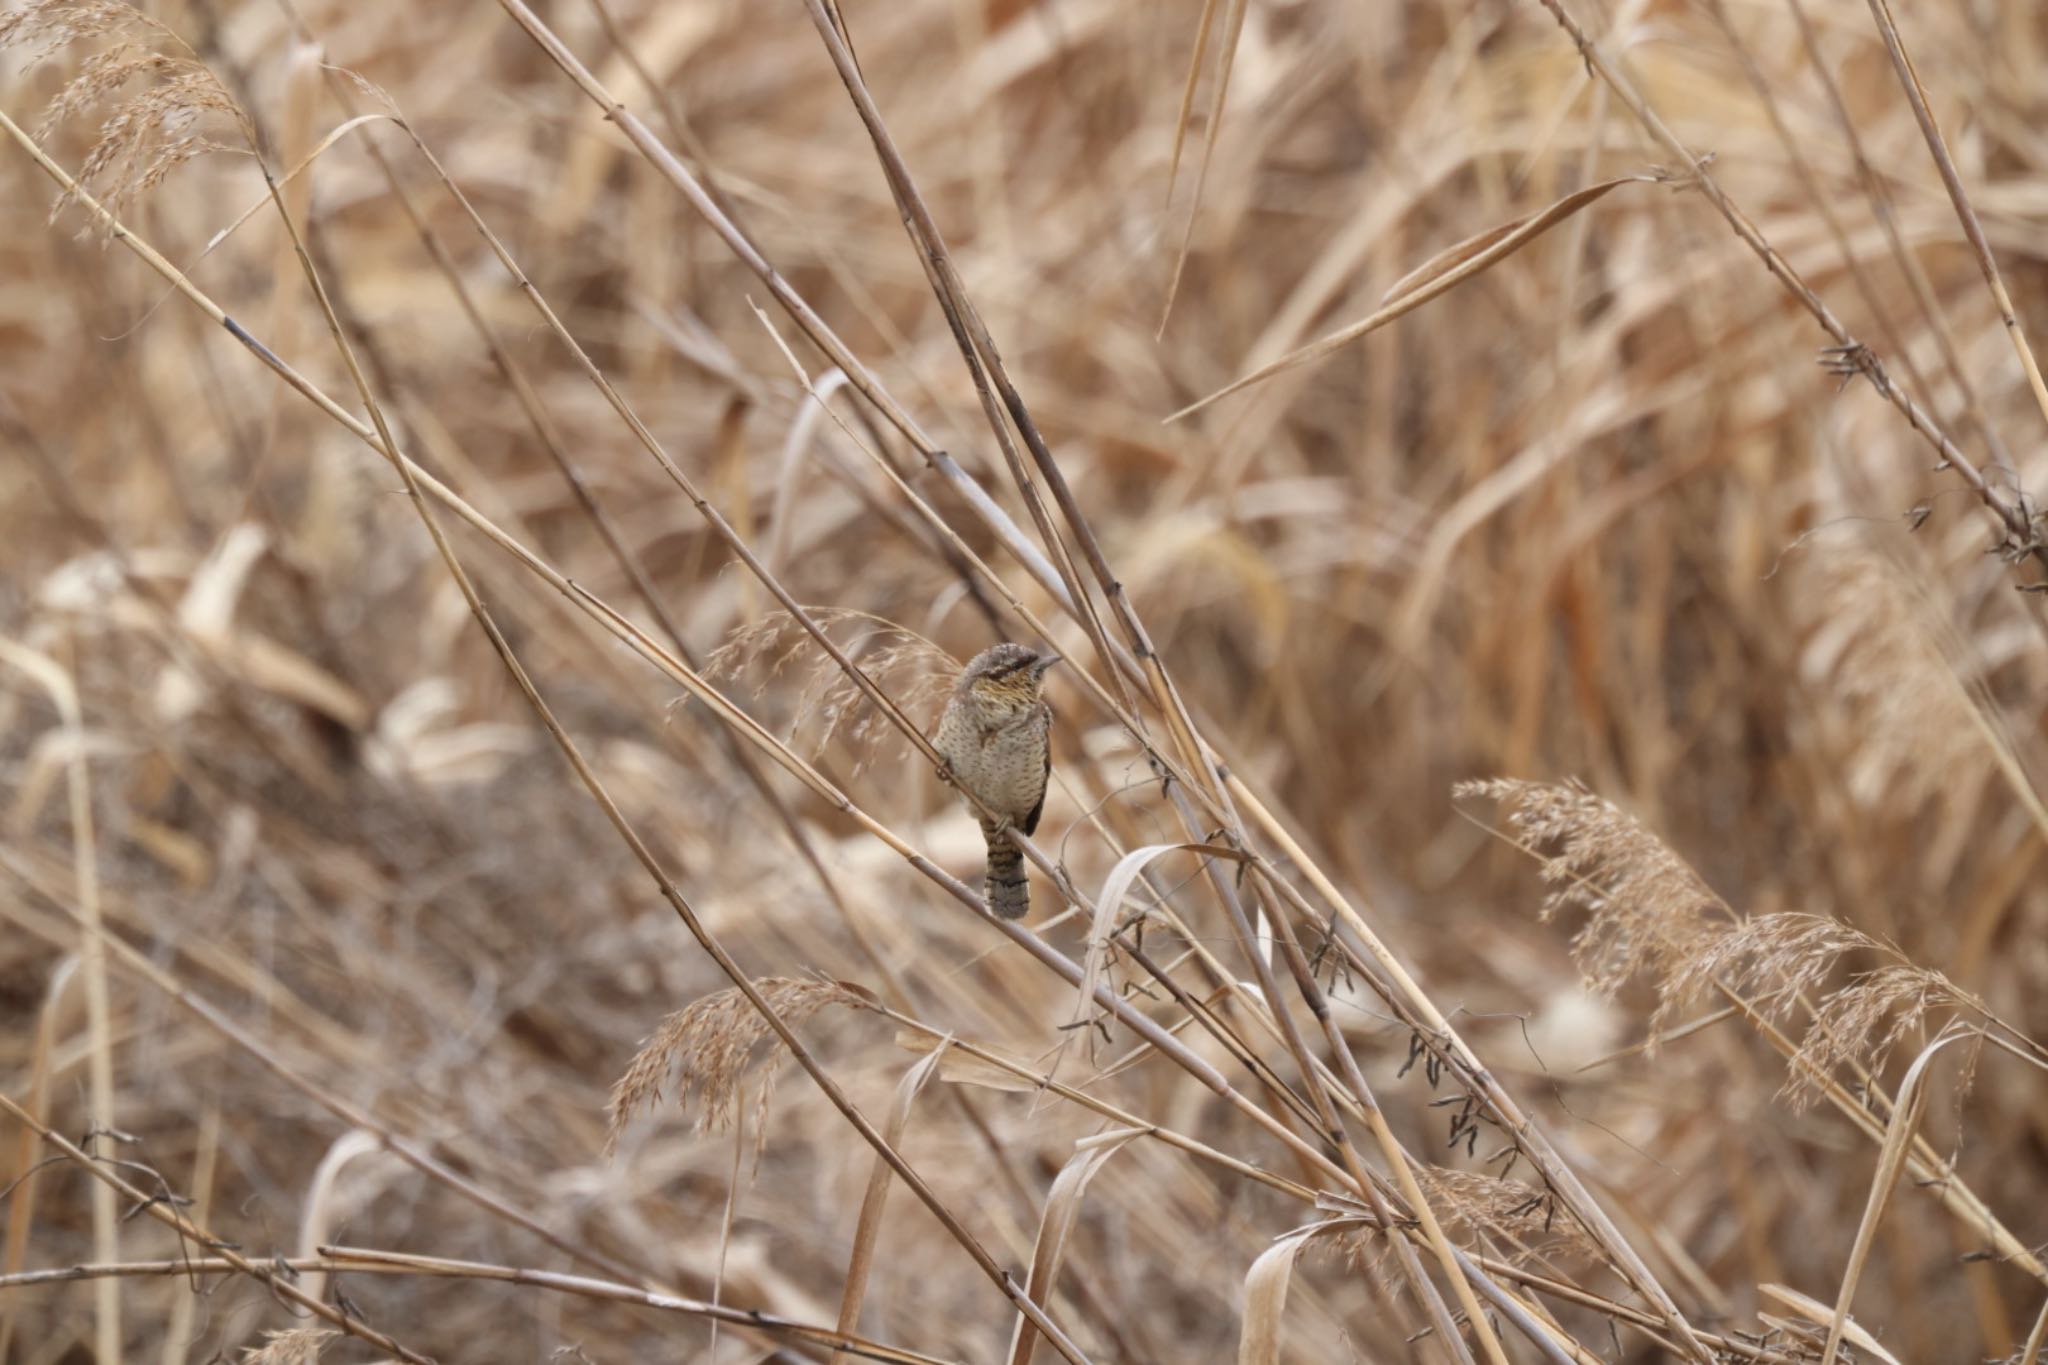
[1008,896]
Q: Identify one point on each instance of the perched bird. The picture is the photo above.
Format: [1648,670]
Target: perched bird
[995,737]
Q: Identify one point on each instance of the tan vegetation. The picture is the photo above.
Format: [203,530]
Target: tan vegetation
[1544,854]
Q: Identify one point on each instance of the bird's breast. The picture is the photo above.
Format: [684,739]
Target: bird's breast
[1002,765]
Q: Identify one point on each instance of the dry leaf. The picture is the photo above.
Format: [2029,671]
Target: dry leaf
[1438,275]
[1056,1224]
[964,1068]
[868,1230]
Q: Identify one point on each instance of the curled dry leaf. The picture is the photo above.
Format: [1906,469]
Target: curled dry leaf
[1265,1301]
[1898,1140]
[961,1067]
[1265,1289]
[1056,1224]
[1103,926]
[868,1229]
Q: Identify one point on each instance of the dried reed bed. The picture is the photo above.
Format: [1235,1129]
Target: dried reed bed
[387,843]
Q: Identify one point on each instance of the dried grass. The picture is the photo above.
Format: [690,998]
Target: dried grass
[1577,500]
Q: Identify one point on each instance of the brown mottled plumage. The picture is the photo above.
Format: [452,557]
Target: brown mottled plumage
[995,737]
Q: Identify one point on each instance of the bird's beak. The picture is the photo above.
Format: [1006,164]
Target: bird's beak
[1045,661]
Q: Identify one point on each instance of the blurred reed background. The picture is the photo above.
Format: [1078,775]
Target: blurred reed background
[318,945]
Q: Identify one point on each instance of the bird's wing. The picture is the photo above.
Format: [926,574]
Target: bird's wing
[1031,820]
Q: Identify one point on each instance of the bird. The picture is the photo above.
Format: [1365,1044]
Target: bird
[995,739]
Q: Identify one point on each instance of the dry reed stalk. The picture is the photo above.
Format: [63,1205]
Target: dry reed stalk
[157,1206]
[92,965]
[1854,358]
[759,1003]
[372,1261]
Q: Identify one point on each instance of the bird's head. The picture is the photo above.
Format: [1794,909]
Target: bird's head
[1007,675]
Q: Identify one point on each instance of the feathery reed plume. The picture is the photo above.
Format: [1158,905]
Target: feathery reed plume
[1647,910]
[1651,913]
[830,704]
[40,27]
[1863,1021]
[715,1041]
[1778,962]
[1525,1220]
[1873,644]
[296,1346]
[1772,961]
[1508,1216]
[147,134]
